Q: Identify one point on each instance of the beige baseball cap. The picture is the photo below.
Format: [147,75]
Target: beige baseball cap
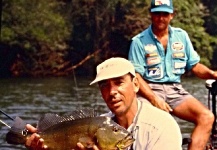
[113,68]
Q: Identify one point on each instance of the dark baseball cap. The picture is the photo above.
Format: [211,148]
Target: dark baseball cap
[162,6]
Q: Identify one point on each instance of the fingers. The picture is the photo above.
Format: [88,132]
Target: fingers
[169,109]
[161,104]
[164,106]
[30,128]
[215,74]
[34,142]
[81,147]
[95,147]
[40,144]
[165,109]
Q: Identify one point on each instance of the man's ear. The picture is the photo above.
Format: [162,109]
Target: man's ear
[136,84]
[173,15]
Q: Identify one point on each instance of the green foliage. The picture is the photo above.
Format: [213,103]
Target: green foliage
[210,25]
[107,26]
[136,17]
[56,34]
[37,33]
[211,17]
[92,22]
[33,23]
[189,16]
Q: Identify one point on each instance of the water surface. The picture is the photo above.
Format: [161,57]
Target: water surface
[29,98]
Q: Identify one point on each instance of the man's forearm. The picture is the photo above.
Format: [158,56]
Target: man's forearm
[203,72]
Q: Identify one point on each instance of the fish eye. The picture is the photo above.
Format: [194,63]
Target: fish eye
[115,129]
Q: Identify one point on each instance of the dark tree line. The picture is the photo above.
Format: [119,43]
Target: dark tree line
[54,37]
[211,24]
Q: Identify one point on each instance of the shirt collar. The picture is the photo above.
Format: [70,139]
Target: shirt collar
[154,36]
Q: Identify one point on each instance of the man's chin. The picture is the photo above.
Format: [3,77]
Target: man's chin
[118,111]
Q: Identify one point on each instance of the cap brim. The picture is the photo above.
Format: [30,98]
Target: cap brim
[160,9]
[105,77]
[97,79]
[94,81]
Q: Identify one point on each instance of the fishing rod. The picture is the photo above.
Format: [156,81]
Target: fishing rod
[5,124]
[6,114]
[18,124]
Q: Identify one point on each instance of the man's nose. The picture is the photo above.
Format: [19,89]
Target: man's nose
[112,89]
[161,17]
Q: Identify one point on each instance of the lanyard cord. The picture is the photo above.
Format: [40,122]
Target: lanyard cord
[135,128]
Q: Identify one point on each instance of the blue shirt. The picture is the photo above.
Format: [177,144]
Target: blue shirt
[157,65]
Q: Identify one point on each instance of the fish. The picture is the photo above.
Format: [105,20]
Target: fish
[64,132]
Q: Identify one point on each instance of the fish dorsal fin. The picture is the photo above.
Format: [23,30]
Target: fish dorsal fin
[48,120]
[82,113]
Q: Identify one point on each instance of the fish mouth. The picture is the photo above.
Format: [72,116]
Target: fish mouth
[125,142]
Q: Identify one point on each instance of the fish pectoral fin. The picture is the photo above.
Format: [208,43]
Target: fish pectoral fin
[86,142]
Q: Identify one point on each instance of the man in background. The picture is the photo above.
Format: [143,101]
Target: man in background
[161,54]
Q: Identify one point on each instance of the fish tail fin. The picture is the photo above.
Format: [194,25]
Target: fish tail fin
[17,134]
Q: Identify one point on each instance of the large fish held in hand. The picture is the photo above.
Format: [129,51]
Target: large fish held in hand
[64,132]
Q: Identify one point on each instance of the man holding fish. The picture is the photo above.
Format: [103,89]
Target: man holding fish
[152,128]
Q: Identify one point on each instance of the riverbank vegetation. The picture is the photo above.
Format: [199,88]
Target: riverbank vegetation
[57,37]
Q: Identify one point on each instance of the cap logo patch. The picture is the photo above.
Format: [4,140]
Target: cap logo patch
[106,66]
[162,2]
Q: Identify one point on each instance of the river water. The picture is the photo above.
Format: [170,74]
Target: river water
[29,98]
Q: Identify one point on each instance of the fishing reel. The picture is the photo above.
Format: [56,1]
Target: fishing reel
[17,132]
[211,85]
